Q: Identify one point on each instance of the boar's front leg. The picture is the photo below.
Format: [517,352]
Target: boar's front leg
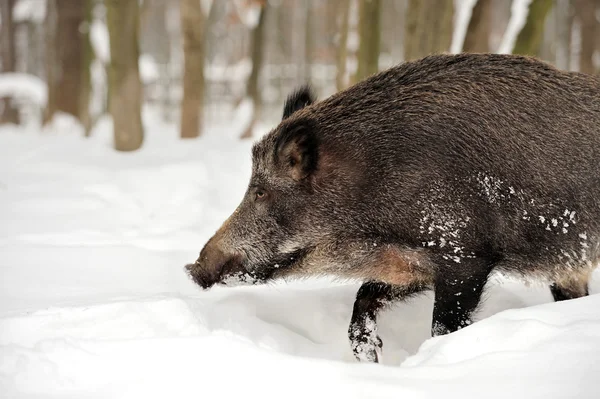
[371,298]
[458,289]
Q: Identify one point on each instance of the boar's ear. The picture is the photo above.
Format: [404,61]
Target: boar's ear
[297,148]
[300,98]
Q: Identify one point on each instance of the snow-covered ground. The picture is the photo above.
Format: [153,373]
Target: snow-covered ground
[94,302]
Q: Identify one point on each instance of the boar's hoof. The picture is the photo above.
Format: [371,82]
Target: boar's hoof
[366,344]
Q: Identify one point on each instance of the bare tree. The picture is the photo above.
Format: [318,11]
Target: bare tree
[125,94]
[8,113]
[478,32]
[429,27]
[342,43]
[585,12]
[253,91]
[192,25]
[87,54]
[530,38]
[309,40]
[564,24]
[369,31]
[64,56]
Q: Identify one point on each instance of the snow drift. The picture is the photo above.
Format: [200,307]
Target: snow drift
[94,302]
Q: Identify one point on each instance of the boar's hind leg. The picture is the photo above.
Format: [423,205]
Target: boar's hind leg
[457,294]
[562,291]
[371,298]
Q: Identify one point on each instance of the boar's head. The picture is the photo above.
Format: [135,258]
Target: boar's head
[268,232]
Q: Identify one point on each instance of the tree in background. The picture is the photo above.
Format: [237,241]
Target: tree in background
[87,56]
[192,27]
[530,38]
[125,94]
[156,40]
[342,43]
[253,91]
[478,32]
[562,39]
[65,56]
[585,12]
[309,41]
[429,26]
[8,113]
[369,32]
[260,50]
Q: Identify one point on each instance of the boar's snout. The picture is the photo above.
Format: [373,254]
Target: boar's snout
[214,264]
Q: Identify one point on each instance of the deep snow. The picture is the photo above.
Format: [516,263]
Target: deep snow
[94,302]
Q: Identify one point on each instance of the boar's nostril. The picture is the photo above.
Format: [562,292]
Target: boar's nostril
[195,273]
[214,265]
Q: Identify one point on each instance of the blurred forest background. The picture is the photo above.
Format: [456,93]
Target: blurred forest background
[197,62]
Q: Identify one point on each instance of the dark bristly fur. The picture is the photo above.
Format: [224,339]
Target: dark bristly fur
[430,175]
[299,99]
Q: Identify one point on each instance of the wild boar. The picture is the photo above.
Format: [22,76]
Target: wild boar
[429,175]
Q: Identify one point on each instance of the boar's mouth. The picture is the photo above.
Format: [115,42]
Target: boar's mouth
[235,273]
[281,265]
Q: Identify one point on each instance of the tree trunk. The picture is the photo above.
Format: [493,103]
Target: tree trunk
[342,44]
[369,32]
[155,40]
[429,27]
[585,12]
[8,112]
[192,25]
[478,32]
[85,89]
[125,94]
[257,61]
[309,40]
[65,56]
[530,38]
[563,25]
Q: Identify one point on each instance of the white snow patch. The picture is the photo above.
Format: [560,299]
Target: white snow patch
[29,11]
[491,186]
[518,16]
[206,6]
[100,40]
[24,86]
[239,279]
[148,69]
[463,12]
[249,12]
[94,301]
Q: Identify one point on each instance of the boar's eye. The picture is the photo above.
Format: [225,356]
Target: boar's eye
[260,194]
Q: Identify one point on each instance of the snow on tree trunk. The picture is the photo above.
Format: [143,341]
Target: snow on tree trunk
[192,25]
[518,16]
[253,91]
[125,94]
[8,113]
[478,32]
[369,32]
[463,16]
[429,27]
[530,37]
